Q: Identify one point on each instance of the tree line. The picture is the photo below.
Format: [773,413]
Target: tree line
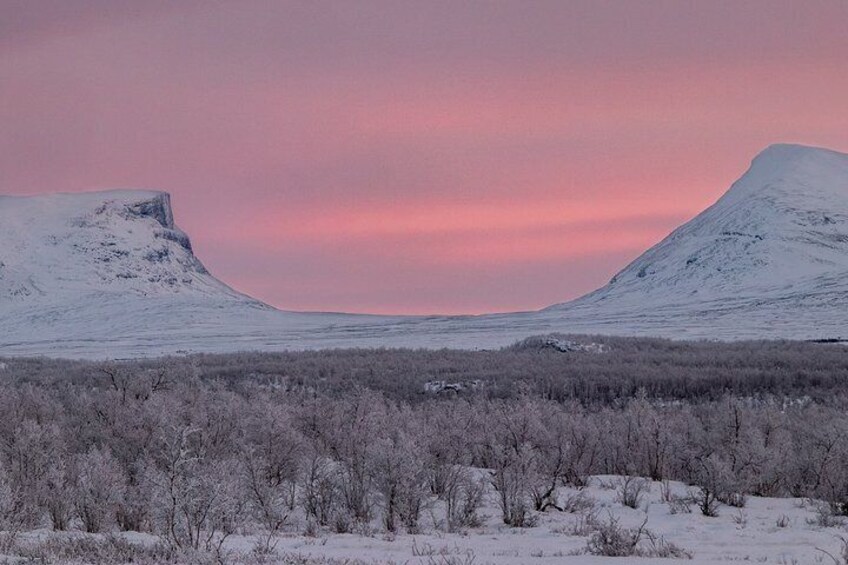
[661,369]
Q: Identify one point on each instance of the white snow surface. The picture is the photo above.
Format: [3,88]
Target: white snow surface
[108,274]
[778,531]
[747,535]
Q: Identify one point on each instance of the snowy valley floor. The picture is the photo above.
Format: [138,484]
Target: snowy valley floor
[783,531]
[178,450]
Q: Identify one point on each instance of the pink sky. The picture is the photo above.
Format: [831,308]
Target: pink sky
[415,157]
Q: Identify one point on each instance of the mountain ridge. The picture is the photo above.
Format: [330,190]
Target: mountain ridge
[109,274]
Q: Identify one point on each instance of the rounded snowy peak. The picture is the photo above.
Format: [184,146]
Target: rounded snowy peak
[801,168]
[791,152]
[782,227]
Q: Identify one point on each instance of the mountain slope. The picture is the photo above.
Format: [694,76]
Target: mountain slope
[782,226]
[109,275]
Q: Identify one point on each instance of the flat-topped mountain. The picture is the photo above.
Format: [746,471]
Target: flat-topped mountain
[109,274]
[61,247]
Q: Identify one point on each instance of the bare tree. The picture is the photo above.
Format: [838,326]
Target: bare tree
[321,493]
[98,489]
[463,496]
[58,483]
[198,500]
[270,492]
[400,477]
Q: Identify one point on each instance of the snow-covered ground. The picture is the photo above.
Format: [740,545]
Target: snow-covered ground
[750,534]
[766,530]
[109,275]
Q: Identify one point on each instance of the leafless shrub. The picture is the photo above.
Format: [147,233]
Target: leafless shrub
[608,484]
[824,517]
[740,519]
[584,524]
[658,546]
[706,501]
[782,521]
[714,482]
[30,450]
[680,505]
[108,550]
[443,555]
[133,510]
[631,490]
[577,502]
[612,540]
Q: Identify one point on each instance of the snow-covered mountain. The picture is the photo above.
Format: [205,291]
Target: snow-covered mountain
[782,228]
[769,258]
[108,274]
[63,247]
